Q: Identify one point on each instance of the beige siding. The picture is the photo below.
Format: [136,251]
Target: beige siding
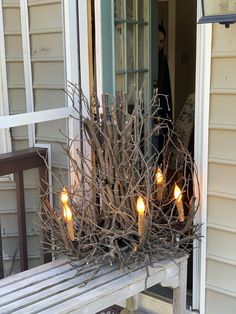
[221,213]
[47,62]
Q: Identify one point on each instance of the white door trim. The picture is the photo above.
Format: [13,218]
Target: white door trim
[98,44]
[202,103]
[5,138]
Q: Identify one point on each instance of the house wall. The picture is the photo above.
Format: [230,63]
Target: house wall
[48,80]
[221,219]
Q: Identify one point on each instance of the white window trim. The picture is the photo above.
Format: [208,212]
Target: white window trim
[27,67]
[202,101]
[5,138]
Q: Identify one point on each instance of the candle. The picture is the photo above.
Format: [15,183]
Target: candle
[160,181]
[67,213]
[140,210]
[64,196]
[69,222]
[179,203]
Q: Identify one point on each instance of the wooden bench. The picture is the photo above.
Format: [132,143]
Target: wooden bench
[55,287]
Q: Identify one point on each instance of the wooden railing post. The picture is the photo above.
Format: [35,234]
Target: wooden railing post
[1,255]
[44,194]
[21,220]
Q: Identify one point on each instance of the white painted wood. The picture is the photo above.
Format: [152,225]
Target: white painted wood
[4,103]
[179,293]
[35,117]
[98,44]
[24,275]
[202,99]
[55,287]
[84,53]
[27,67]
[49,166]
[131,304]
[71,44]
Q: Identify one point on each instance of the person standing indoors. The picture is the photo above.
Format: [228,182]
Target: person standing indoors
[162,110]
[162,85]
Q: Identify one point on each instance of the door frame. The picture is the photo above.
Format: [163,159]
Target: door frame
[202,101]
[201,139]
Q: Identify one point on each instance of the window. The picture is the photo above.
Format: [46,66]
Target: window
[131,36]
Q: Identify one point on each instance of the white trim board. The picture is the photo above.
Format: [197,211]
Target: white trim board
[35,117]
[5,139]
[202,103]
[27,67]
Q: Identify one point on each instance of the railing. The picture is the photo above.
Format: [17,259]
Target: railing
[16,163]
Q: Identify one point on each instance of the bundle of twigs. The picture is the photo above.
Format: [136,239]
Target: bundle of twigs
[113,169]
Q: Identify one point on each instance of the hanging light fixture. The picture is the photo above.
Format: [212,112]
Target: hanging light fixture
[218,11]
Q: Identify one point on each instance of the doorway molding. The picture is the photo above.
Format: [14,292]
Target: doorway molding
[201,136]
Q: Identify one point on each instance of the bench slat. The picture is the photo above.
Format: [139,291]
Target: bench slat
[56,289]
[29,273]
[114,291]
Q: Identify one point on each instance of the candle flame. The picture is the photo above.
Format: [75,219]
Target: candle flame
[159,176]
[177,193]
[64,196]
[140,205]
[67,212]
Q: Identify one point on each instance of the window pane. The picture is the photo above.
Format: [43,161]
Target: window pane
[130,46]
[120,83]
[130,9]
[141,82]
[119,9]
[119,42]
[140,10]
[143,10]
[141,46]
[131,89]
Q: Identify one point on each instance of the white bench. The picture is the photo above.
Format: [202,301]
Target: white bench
[56,287]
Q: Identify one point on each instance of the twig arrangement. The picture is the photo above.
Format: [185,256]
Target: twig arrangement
[124,206]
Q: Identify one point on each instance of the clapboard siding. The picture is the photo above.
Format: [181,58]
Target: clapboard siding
[48,73]
[8,199]
[9,223]
[223,109]
[44,17]
[219,147]
[47,46]
[222,177]
[221,275]
[17,100]
[221,243]
[221,211]
[217,301]
[50,98]
[13,46]
[11,19]
[223,75]
[221,214]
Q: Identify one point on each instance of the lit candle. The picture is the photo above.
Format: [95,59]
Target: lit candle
[140,210]
[67,213]
[179,203]
[160,181]
[64,196]
[69,222]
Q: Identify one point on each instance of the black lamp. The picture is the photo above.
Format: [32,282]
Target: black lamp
[218,11]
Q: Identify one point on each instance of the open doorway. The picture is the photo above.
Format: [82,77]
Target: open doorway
[179,21]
